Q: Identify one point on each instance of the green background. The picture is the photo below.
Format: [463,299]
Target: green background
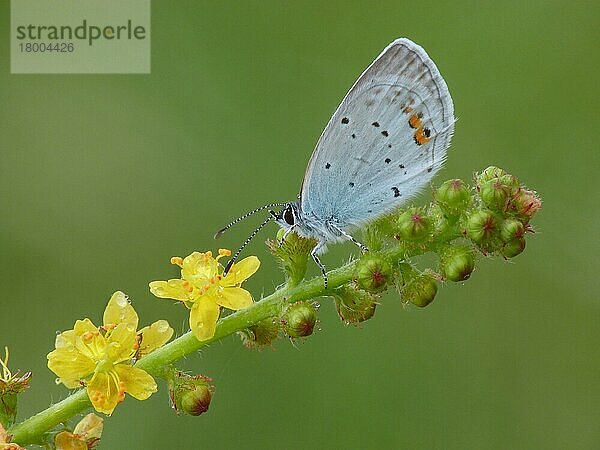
[105,177]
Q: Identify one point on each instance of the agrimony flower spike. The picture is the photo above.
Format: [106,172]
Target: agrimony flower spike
[101,358]
[204,290]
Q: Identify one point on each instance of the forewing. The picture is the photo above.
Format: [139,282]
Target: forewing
[385,141]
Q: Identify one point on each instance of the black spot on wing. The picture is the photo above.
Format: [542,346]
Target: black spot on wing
[345,120]
[388,160]
[353,136]
[396,191]
[375,124]
[401,166]
[327,166]
[385,133]
[351,184]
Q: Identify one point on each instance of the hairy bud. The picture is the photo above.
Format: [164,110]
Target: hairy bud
[299,319]
[457,263]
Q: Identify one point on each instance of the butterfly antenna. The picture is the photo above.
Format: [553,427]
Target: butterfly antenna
[219,233]
[254,233]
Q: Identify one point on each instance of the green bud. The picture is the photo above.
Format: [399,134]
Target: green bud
[260,335]
[513,248]
[453,196]
[189,394]
[299,319]
[525,204]
[481,226]
[413,224]
[457,263]
[420,290]
[354,305]
[510,181]
[292,254]
[511,229]
[373,272]
[489,174]
[494,194]
[373,236]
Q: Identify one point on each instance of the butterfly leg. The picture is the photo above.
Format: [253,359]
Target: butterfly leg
[286,234]
[316,259]
[350,238]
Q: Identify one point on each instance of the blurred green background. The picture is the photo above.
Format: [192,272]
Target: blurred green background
[104,177]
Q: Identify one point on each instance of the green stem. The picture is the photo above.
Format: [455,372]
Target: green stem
[31,430]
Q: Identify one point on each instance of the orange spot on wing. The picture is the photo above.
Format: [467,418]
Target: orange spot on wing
[420,137]
[414,121]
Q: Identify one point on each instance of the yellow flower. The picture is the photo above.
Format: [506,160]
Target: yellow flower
[203,288]
[101,358]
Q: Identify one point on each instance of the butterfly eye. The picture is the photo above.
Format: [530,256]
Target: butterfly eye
[288,216]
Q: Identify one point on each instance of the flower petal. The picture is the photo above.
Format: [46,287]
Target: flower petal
[121,342]
[154,336]
[119,310]
[199,266]
[69,441]
[88,340]
[83,326]
[234,298]
[138,383]
[103,392]
[90,427]
[203,318]
[70,365]
[173,289]
[241,271]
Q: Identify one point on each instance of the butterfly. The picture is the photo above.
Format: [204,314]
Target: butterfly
[383,144]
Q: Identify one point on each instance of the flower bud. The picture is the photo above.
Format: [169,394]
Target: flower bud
[513,248]
[511,229]
[489,174]
[525,204]
[453,196]
[373,272]
[190,394]
[292,253]
[261,335]
[420,290]
[481,226]
[86,434]
[299,319]
[11,386]
[413,225]
[354,305]
[494,194]
[373,236]
[457,263]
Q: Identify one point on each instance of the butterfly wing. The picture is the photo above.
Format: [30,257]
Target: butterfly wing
[385,142]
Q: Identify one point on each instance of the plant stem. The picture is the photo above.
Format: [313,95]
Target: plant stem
[31,430]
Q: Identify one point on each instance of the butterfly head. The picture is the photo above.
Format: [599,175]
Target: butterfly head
[288,216]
